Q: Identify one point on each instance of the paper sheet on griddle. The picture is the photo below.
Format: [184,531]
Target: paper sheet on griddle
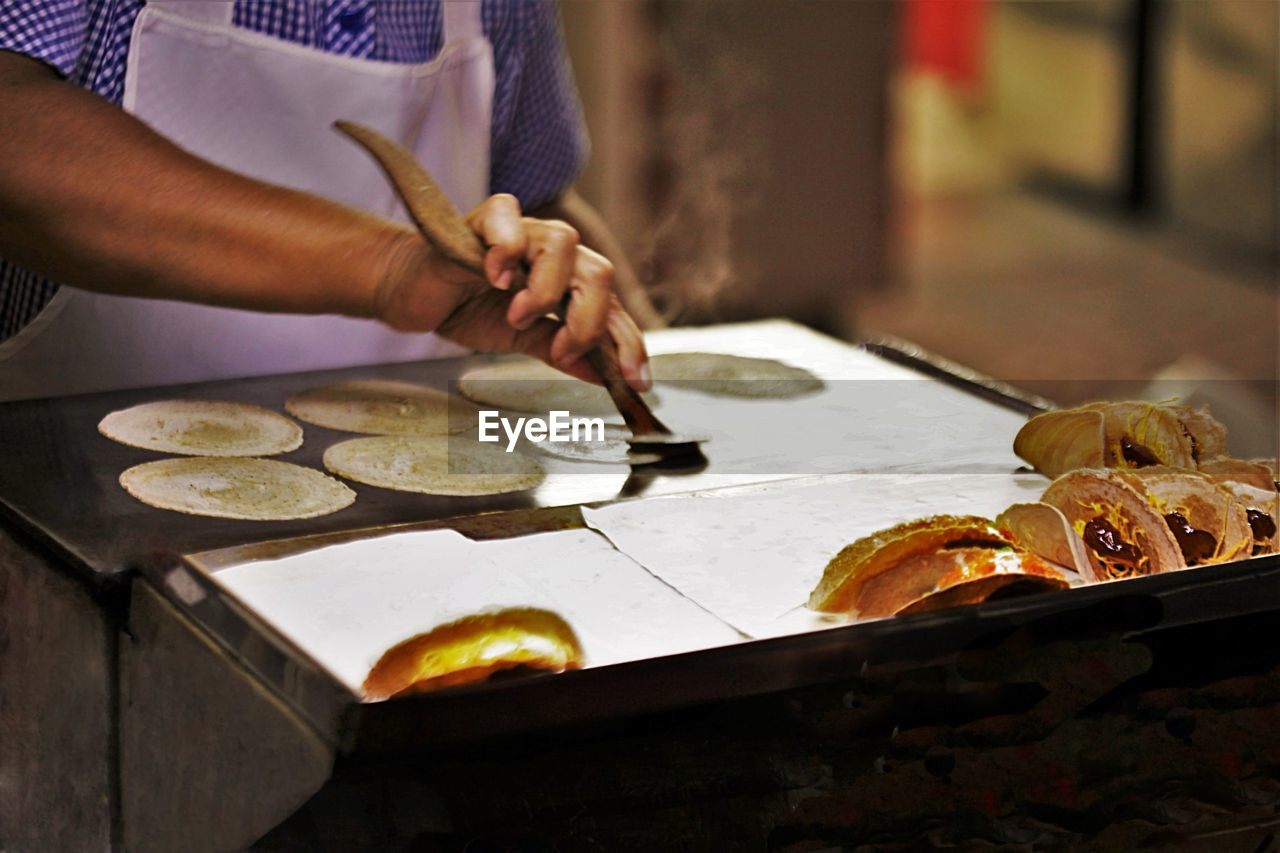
[784,340]
[752,556]
[873,416]
[346,604]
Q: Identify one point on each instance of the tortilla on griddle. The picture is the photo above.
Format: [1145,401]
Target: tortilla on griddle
[236,487]
[203,428]
[433,465]
[383,407]
[529,385]
[733,375]
[611,449]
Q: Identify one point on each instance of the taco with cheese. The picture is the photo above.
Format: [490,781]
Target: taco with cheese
[1120,435]
[1123,533]
[1208,521]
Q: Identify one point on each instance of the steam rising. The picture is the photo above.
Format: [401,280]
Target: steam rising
[711,135]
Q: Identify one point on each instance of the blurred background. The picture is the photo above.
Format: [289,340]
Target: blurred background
[1078,197]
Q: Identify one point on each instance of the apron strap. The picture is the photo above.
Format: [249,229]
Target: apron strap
[462,19]
[204,11]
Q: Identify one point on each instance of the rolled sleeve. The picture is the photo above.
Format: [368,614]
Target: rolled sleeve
[541,143]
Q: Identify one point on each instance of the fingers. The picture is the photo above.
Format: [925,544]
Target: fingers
[632,356]
[554,256]
[500,224]
[590,300]
[548,256]
[544,255]
[539,341]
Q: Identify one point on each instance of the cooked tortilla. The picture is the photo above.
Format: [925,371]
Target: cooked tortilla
[734,375]
[251,489]
[433,465]
[613,448]
[383,407]
[203,428]
[529,385]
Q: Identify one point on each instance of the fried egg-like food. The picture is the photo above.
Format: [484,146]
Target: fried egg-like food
[929,563]
[474,648]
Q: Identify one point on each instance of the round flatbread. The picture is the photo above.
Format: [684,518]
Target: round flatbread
[529,385]
[383,407]
[734,375]
[613,448]
[251,489]
[433,465]
[203,428]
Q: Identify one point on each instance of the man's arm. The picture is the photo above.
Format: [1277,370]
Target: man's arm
[91,196]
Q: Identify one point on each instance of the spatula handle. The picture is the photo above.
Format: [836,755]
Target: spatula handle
[639,418]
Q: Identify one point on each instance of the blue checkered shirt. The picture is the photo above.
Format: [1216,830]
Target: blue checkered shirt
[538,142]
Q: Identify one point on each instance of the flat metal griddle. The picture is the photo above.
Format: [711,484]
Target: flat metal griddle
[58,484]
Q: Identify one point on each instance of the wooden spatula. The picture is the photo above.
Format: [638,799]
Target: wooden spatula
[444,228]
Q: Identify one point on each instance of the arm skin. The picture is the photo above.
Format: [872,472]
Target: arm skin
[91,196]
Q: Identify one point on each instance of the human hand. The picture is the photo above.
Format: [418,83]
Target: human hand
[424,291]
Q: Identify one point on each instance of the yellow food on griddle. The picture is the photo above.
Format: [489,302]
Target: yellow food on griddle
[473,649]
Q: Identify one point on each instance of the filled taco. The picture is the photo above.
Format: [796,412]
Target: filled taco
[1120,435]
[1123,533]
[1208,522]
[1117,524]
[1261,506]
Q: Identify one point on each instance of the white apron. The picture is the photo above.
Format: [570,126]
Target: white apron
[264,107]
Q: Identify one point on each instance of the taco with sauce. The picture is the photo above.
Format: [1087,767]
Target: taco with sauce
[1253,484]
[1116,524]
[1124,535]
[927,564]
[1120,435]
[1208,522]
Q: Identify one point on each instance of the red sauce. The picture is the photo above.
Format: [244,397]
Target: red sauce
[1263,527]
[1197,545]
[1137,455]
[1107,543]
